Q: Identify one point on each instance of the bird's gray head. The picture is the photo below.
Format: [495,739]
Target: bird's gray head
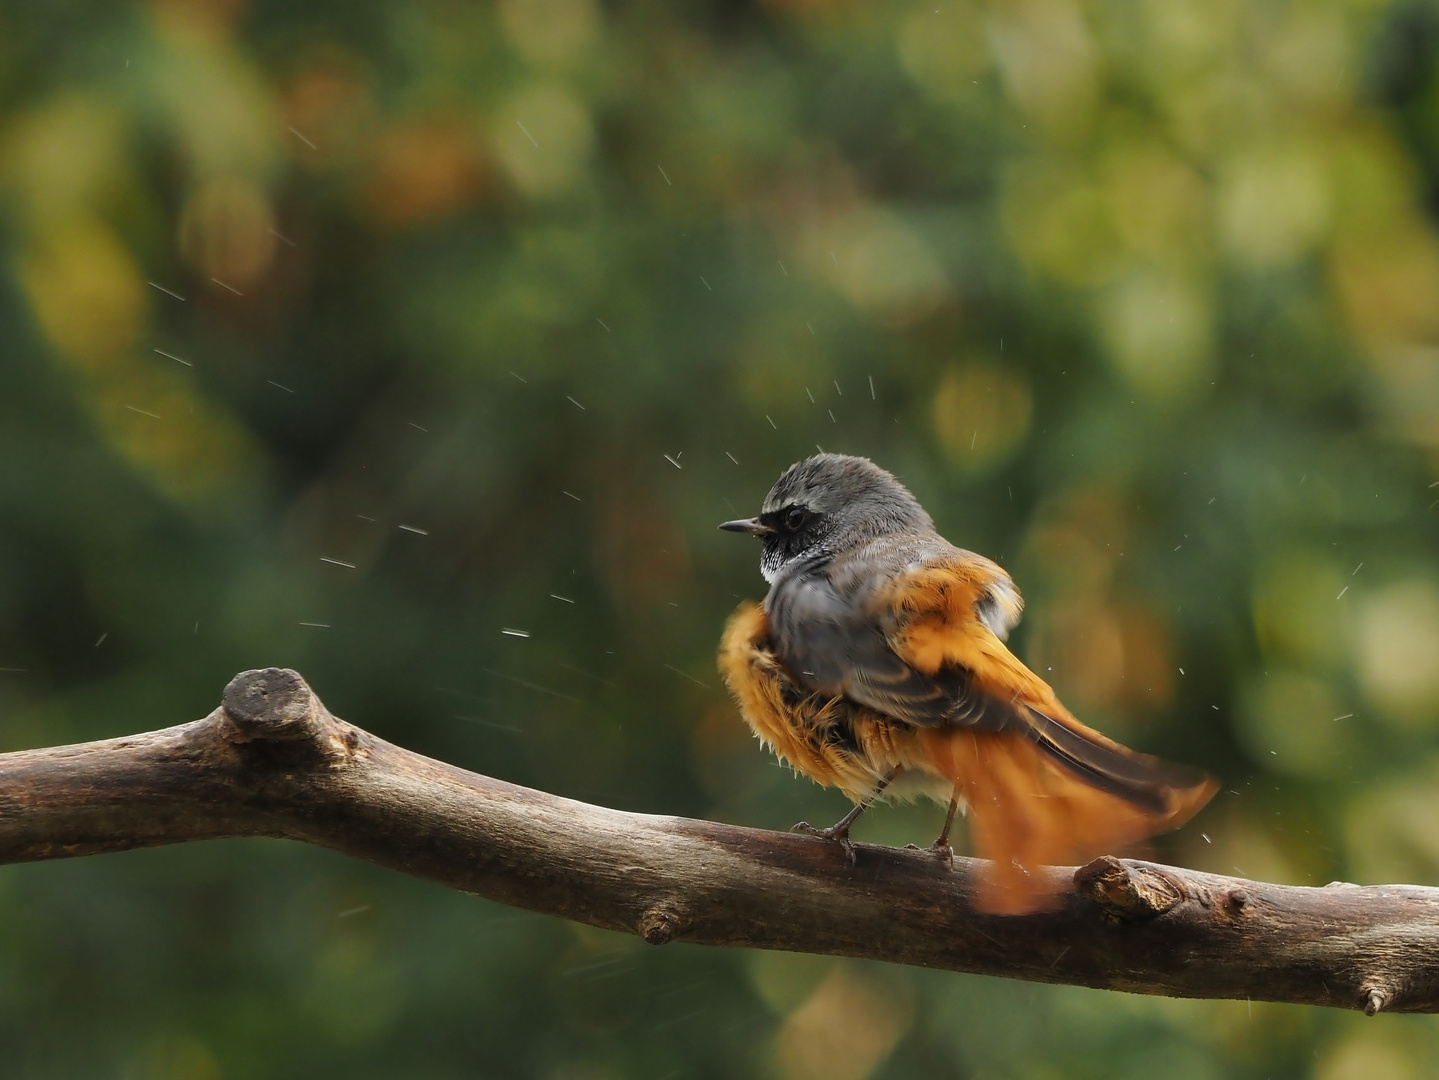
[827,504]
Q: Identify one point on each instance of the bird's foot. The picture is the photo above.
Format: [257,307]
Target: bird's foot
[839,833]
[939,847]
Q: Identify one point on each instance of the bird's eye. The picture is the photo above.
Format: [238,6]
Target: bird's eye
[795,519]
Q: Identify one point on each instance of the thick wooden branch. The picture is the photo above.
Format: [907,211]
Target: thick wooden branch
[272,761]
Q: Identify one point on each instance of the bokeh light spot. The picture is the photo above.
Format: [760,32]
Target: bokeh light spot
[981,415]
[1398,647]
[816,1044]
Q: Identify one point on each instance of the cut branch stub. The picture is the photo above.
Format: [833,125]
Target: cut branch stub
[272,703]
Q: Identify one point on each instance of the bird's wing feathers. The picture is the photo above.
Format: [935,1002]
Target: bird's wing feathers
[925,649]
[936,625]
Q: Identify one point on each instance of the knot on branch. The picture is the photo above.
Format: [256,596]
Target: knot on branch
[658,925]
[1126,892]
[272,704]
[1375,998]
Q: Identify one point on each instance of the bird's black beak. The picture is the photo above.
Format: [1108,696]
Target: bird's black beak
[753,526]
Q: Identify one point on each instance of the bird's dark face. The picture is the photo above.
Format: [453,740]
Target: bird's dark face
[789,532]
[824,505]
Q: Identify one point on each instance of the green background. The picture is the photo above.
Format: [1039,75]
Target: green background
[1140,298]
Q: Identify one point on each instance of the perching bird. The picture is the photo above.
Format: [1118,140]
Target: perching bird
[877,663]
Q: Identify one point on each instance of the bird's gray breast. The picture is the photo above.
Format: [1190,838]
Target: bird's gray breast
[815,628]
[824,626]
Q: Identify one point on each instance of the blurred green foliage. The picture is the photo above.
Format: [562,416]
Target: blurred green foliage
[347,336]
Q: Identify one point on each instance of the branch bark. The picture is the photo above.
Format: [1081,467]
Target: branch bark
[272,761]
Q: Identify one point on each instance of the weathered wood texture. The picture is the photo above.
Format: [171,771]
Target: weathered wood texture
[272,761]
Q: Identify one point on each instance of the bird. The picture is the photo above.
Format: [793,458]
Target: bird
[877,664]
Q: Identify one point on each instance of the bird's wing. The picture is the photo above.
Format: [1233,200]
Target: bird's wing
[935,624]
[923,650]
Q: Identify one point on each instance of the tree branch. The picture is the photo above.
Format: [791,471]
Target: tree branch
[272,761]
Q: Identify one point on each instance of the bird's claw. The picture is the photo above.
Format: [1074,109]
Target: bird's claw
[944,851]
[834,832]
[837,833]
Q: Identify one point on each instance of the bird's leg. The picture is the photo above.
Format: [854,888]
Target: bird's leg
[941,846]
[840,829]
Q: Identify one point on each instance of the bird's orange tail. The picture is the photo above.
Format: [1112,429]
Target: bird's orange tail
[1034,803]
